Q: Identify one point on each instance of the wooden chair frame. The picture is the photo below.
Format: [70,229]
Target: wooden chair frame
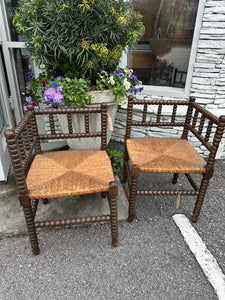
[25,139]
[209,139]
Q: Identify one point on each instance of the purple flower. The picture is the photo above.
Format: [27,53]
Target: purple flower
[133,77]
[60,88]
[49,93]
[137,90]
[65,106]
[119,73]
[54,84]
[58,98]
[30,75]
[27,85]
[58,78]
[29,99]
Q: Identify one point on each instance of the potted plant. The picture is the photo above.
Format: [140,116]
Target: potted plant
[78,39]
[66,92]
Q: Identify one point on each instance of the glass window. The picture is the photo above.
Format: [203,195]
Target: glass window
[23,66]
[161,58]
[9,6]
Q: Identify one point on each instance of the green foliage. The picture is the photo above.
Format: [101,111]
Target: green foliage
[89,34]
[116,157]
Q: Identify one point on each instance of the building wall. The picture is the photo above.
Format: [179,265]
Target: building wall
[208,81]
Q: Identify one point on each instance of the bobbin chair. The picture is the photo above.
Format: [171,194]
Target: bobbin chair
[170,155]
[61,173]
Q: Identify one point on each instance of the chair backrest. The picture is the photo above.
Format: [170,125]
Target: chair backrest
[84,131]
[206,127]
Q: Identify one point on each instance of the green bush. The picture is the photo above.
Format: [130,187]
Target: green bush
[82,37]
[116,157]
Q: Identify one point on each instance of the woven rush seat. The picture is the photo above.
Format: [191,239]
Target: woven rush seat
[67,173]
[165,155]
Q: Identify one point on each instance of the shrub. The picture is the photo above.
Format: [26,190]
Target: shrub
[82,37]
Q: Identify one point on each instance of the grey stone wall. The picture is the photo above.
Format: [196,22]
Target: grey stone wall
[208,81]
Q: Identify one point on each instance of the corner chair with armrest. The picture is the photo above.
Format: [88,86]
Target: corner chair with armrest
[170,155]
[61,173]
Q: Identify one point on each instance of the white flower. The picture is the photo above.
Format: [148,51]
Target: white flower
[126,84]
[111,80]
[124,105]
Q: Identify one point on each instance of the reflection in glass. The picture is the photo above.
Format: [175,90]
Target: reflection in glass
[2,118]
[23,66]
[162,55]
[9,6]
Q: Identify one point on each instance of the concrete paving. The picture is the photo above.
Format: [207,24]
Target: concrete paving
[152,260]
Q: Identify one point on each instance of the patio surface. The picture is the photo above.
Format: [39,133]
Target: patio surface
[152,260]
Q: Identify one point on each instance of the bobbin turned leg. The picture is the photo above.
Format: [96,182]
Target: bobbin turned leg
[133,190]
[125,163]
[175,177]
[29,218]
[113,193]
[200,199]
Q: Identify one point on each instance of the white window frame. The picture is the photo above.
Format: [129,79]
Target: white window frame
[164,91]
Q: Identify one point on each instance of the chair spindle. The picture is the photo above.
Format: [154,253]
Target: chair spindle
[208,131]
[21,147]
[52,124]
[195,118]
[174,113]
[25,137]
[86,118]
[70,126]
[201,125]
[159,113]
[144,113]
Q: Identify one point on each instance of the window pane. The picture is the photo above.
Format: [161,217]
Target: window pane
[9,6]
[162,56]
